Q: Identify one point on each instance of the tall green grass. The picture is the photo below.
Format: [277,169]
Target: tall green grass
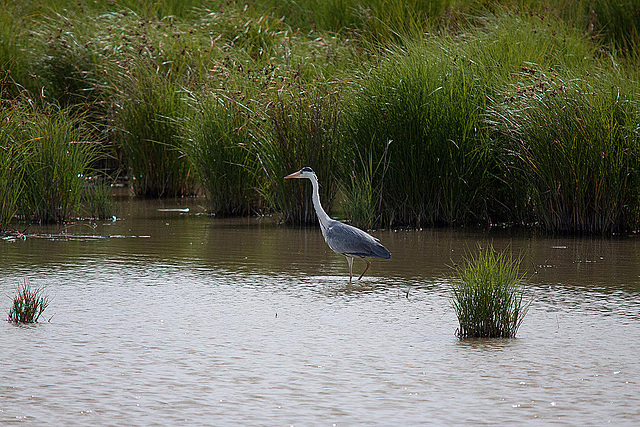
[128,71]
[430,99]
[616,23]
[66,67]
[218,144]
[392,103]
[11,65]
[417,120]
[378,21]
[613,22]
[12,161]
[488,295]
[46,156]
[302,128]
[59,153]
[151,107]
[576,143]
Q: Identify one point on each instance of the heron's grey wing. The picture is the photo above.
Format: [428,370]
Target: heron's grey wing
[347,240]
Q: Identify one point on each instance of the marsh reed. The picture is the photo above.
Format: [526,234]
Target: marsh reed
[412,113]
[575,143]
[488,295]
[302,128]
[28,304]
[218,145]
[58,151]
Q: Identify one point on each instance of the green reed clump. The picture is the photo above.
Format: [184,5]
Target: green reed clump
[430,98]
[98,199]
[417,120]
[488,295]
[45,155]
[13,156]
[59,153]
[575,142]
[269,97]
[302,129]
[151,107]
[218,145]
[28,304]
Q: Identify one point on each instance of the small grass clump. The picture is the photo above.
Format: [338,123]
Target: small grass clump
[28,304]
[488,295]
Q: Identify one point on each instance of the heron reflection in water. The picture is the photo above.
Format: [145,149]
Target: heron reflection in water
[342,238]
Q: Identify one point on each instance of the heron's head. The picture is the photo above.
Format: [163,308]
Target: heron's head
[305,172]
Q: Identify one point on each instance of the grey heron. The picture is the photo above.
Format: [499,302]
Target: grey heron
[342,238]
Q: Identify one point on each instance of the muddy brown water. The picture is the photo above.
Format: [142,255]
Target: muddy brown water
[165,317]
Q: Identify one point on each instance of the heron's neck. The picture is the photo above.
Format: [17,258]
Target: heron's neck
[322,215]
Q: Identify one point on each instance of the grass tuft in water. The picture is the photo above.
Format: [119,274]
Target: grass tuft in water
[98,199]
[488,295]
[28,304]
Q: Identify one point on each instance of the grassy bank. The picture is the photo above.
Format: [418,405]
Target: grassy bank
[419,113]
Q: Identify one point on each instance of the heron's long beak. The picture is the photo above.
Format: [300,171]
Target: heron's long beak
[293,175]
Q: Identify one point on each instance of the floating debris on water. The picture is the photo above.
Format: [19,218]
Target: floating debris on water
[181,210]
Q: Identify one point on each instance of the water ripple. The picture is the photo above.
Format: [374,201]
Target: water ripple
[207,326]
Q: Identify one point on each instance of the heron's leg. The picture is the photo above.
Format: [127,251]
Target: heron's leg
[365,270]
[350,262]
